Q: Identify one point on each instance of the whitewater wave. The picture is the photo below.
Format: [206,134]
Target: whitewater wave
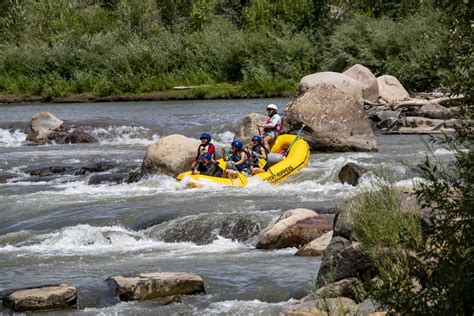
[253,307]
[125,135]
[84,239]
[11,138]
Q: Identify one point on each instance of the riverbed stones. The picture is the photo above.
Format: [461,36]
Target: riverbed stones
[4,178]
[340,82]
[370,86]
[170,155]
[295,228]
[78,136]
[316,247]
[334,121]
[351,173]
[148,286]
[248,127]
[58,296]
[391,90]
[107,178]
[324,307]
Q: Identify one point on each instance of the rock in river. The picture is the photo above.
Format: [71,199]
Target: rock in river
[351,173]
[42,125]
[248,127]
[147,286]
[391,90]
[170,155]
[295,228]
[370,86]
[316,247]
[334,121]
[45,297]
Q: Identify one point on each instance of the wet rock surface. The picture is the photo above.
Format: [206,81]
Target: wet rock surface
[316,247]
[47,297]
[295,228]
[351,173]
[323,307]
[147,286]
[107,178]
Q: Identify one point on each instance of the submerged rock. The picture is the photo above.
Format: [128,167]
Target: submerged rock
[4,178]
[170,155]
[351,173]
[79,136]
[334,121]
[295,228]
[107,178]
[391,90]
[58,296]
[147,286]
[203,229]
[370,86]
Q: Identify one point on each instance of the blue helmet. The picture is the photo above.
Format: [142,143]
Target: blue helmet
[237,144]
[206,156]
[258,139]
[206,136]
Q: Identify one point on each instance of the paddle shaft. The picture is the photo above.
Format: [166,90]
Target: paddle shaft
[231,163]
[294,140]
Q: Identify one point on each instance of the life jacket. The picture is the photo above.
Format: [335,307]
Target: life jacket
[209,148]
[235,157]
[277,127]
[256,149]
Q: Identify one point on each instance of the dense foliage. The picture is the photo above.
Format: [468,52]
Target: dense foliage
[62,47]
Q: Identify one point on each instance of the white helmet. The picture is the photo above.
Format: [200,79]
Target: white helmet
[272,106]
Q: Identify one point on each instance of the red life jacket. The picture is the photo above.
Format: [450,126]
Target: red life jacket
[209,148]
[277,127]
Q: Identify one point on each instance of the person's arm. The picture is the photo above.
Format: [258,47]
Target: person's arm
[273,122]
[224,156]
[263,153]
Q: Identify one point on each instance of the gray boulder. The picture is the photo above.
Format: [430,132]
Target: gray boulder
[340,82]
[58,296]
[42,125]
[334,121]
[316,247]
[170,155]
[324,306]
[107,178]
[248,127]
[147,286]
[370,86]
[78,136]
[391,90]
[434,111]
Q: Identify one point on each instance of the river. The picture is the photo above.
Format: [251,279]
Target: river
[64,230]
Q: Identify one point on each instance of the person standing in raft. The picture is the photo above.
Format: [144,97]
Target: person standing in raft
[205,147]
[272,126]
[207,166]
[237,158]
[256,152]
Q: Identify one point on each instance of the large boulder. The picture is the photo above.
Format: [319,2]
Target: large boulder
[324,307]
[391,90]
[316,247]
[147,286]
[248,128]
[434,111]
[344,259]
[340,82]
[351,173]
[56,296]
[370,86]
[42,125]
[170,155]
[295,228]
[334,121]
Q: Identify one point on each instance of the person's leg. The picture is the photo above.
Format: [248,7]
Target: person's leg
[232,174]
[257,171]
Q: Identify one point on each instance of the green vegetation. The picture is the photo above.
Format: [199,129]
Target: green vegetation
[56,48]
[429,269]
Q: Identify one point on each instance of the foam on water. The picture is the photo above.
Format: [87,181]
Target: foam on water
[125,135]
[254,307]
[9,138]
[85,239]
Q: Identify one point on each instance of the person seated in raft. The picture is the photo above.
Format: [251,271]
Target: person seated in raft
[207,166]
[257,151]
[238,160]
[205,147]
[272,126]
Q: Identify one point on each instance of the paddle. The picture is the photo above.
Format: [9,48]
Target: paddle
[261,161]
[294,140]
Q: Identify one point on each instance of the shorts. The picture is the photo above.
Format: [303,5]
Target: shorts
[272,134]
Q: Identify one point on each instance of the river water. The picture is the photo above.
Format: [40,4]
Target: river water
[61,229]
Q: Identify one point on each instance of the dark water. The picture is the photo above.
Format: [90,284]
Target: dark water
[65,230]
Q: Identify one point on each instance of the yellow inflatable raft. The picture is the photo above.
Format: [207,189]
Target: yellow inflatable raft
[296,159]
